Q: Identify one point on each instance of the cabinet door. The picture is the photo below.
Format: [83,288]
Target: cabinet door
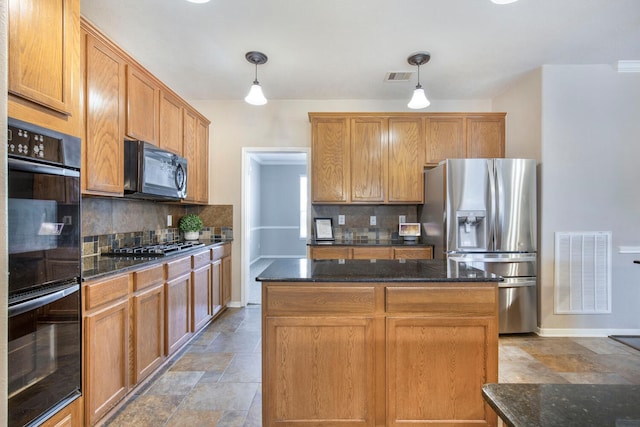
[106,348]
[103,146]
[143,97]
[226,280]
[201,291]
[202,161]
[178,312]
[148,331]
[170,123]
[413,253]
[435,371]
[69,416]
[330,252]
[368,160]
[216,286]
[406,160]
[318,370]
[444,139]
[41,45]
[189,151]
[485,136]
[330,160]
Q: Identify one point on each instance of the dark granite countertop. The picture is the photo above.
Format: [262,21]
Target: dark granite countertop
[365,242]
[108,265]
[306,270]
[565,405]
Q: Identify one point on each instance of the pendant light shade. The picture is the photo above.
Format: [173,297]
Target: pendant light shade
[255,96]
[419,99]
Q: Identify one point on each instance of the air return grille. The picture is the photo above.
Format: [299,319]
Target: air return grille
[398,76]
[583,273]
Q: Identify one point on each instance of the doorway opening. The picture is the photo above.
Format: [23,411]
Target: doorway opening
[275,223]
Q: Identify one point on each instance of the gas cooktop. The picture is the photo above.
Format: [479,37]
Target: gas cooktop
[159,249]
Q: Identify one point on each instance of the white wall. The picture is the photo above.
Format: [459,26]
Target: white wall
[590,154]
[581,123]
[235,124]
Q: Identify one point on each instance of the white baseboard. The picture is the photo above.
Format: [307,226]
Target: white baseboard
[562,332]
[275,256]
[235,304]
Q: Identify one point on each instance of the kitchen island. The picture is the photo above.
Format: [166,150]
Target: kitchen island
[377,343]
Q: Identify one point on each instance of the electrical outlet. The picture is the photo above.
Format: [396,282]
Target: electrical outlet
[169,220]
[372,220]
[340,219]
[402,218]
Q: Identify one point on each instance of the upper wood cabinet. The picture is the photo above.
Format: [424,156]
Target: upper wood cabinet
[330,159]
[170,122]
[464,135]
[44,63]
[143,99]
[40,51]
[406,159]
[104,98]
[195,147]
[366,158]
[485,136]
[123,100]
[369,161]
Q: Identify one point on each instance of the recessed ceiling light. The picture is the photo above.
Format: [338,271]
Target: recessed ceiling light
[198,1]
[503,1]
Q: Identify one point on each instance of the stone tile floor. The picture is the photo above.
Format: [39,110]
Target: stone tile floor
[215,381]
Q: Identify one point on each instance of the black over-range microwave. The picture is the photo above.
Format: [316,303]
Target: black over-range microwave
[153,173]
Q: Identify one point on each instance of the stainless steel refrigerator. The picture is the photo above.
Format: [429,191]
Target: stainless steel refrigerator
[482,212]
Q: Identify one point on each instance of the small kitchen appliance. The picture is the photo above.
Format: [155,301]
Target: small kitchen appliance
[153,173]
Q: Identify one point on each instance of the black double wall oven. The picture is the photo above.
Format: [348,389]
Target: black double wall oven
[44,239]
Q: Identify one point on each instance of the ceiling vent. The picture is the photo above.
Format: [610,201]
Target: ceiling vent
[398,76]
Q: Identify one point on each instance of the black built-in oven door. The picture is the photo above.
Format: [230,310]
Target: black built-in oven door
[43,227]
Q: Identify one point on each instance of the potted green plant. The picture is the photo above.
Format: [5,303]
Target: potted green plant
[190,225]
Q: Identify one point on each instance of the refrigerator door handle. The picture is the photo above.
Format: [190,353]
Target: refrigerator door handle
[492,206]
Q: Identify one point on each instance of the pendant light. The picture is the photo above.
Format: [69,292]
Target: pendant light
[419,99]
[255,96]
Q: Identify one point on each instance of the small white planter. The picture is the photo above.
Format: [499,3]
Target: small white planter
[191,235]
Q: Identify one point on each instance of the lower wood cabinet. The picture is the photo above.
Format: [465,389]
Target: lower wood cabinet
[369,354]
[201,290]
[370,252]
[69,416]
[106,345]
[147,301]
[178,304]
[133,322]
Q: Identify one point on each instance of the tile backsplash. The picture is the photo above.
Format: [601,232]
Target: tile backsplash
[109,223]
[357,220]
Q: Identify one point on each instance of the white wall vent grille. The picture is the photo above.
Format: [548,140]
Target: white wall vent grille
[583,273]
[398,76]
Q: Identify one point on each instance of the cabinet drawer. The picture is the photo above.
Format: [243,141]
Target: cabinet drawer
[413,253]
[221,251]
[147,277]
[333,252]
[201,258]
[439,301]
[337,300]
[178,267]
[372,253]
[98,293]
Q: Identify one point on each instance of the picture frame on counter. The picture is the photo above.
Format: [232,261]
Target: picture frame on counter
[323,228]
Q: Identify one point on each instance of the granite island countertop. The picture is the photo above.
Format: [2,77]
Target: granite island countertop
[307,270]
[104,265]
[565,405]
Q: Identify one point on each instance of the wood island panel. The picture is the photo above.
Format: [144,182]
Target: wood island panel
[411,353]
